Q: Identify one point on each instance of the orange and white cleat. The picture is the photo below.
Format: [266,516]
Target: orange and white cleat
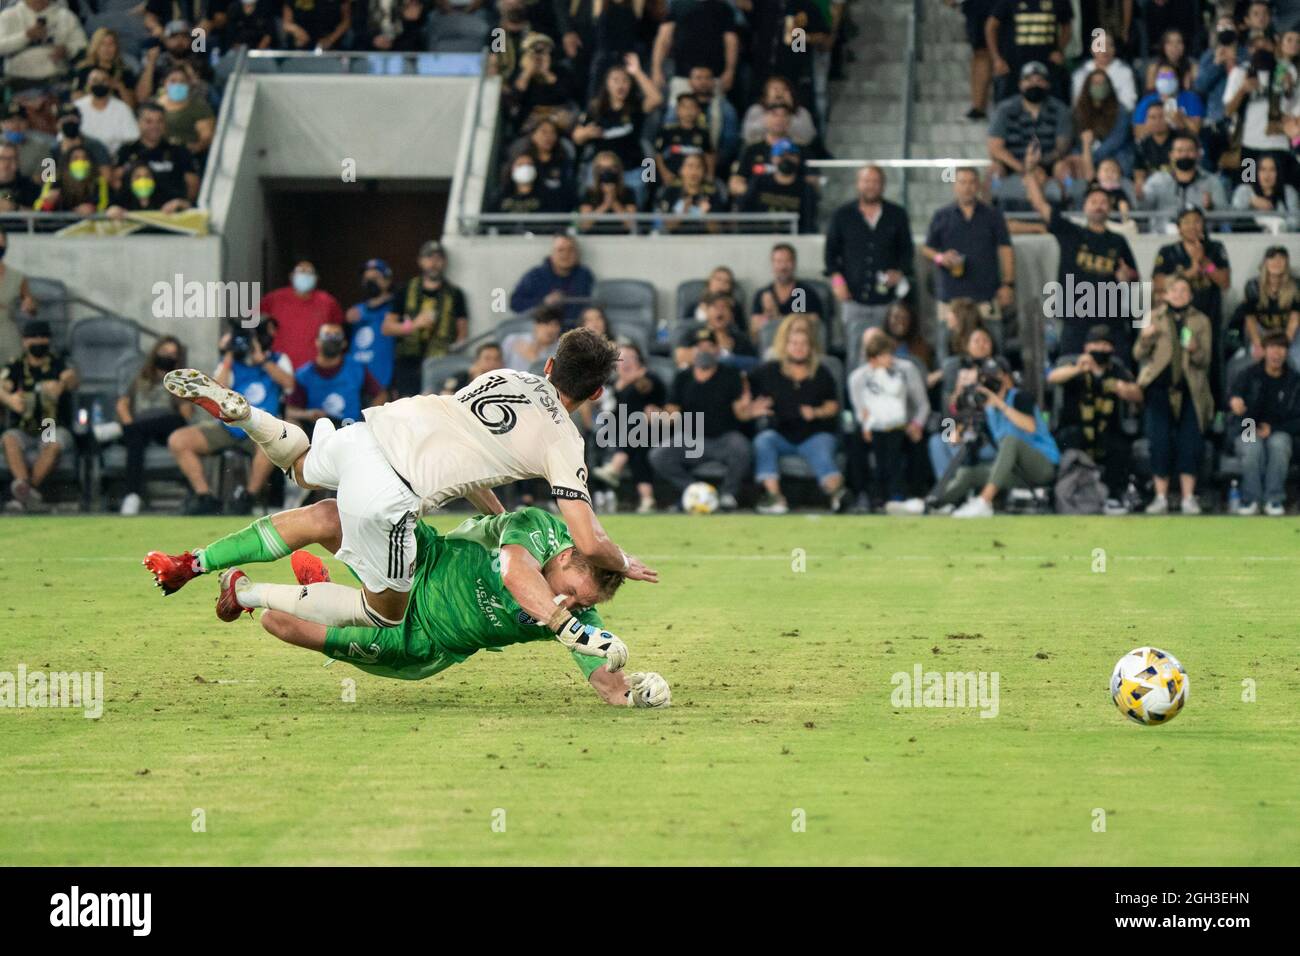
[218,401]
[171,572]
[308,568]
[228,606]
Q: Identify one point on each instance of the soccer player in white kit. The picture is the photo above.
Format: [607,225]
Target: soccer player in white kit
[408,458]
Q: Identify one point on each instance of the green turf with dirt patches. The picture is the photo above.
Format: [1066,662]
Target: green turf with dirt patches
[780,637]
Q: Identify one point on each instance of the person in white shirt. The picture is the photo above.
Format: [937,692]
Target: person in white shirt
[1263,84]
[105,117]
[1120,73]
[38,41]
[413,456]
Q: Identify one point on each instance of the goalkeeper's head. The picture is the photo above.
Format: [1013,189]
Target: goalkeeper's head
[581,584]
[583,362]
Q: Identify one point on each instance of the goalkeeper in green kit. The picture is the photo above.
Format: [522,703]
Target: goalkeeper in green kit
[495,580]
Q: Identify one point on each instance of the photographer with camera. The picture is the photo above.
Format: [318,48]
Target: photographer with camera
[1095,384]
[261,375]
[1026,452]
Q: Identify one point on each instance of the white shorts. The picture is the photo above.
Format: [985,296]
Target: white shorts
[377,510]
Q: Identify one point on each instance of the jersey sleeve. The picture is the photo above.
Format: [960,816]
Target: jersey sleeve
[538,532]
[566,470]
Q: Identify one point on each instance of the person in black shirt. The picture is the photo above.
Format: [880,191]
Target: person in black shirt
[172,166]
[524,194]
[1203,262]
[730,342]
[869,251]
[608,195]
[249,23]
[1271,303]
[781,191]
[691,197]
[1151,152]
[1268,394]
[317,23]
[970,246]
[717,398]
[614,121]
[540,87]
[35,389]
[17,192]
[688,136]
[1022,31]
[759,158]
[697,33]
[800,401]
[785,294]
[638,396]
[554,166]
[1095,384]
[1093,261]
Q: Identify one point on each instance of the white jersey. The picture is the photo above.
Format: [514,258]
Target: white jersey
[503,426]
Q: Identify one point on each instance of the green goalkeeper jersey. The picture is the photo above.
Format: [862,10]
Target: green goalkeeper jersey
[458,604]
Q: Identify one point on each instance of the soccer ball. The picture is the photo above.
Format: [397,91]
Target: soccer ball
[700,498]
[1149,686]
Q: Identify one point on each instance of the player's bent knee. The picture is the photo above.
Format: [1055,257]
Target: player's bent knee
[386,609]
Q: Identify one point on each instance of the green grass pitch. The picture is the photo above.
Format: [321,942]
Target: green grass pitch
[779,636]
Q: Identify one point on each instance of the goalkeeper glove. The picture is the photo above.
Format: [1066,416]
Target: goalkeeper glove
[589,639]
[648,690]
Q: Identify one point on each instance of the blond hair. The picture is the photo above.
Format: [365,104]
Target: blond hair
[790,324]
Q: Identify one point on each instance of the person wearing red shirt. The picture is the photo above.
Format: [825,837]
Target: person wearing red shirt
[300,309]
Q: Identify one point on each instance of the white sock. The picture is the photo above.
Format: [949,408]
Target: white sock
[334,605]
[282,441]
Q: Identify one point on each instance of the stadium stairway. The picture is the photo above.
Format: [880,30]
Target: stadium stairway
[939,125]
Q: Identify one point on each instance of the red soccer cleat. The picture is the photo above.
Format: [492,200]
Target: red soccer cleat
[228,608]
[308,568]
[171,572]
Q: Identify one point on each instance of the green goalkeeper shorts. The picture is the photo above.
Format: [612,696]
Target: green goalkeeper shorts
[387,652]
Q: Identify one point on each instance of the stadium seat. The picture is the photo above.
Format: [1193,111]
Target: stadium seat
[98,347]
[663,368]
[633,332]
[435,371]
[51,306]
[627,300]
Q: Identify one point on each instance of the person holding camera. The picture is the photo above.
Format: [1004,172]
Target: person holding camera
[251,367]
[1173,353]
[1026,454]
[1095,383]
[146,413]
[1266,399]
[38,41]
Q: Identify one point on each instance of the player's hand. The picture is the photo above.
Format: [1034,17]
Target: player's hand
[636,571]
[595,641]
[648,690]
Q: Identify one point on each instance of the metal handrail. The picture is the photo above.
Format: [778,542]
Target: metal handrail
[909,89]
[224,120]
[467,165]
[788,219]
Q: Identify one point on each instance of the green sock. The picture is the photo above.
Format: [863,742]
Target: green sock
[257,543]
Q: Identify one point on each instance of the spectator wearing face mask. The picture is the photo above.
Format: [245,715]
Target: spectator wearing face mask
[299,310]
[104,116]
[608,195]
[146,414]
[33,146]
[430,319]
[525,195]
[691,197]
[174,171]
[1095,385]
[784,190]
[190,120]
[139,193]
[76,187]
[251,366]
[175,49]
[371,348]
[72,133]
[614,121]
[759,158]
[333,385]
[1120,74]
[39,41]
[1203,263]
[1173,352]
[35,389]
[1187,185]
[1266,396]
[1183,109]
[105,53]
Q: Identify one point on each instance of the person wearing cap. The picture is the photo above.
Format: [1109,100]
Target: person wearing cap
[783,190]
[541,86]
[175,48]
[1033,116]
[1265,400]
[1092,260]
[38,41]
[759,158]
[103,116]
[522,351]
[431,318]
[33,146]
[36,394]
[299,310]
[15,294]
[1095,384]
[719,398]
[317,23]
[1026,456]
[512,22]
[1018,32]
[561,279]
[17,192]
[1173,352]
[869,253]
[371,348]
